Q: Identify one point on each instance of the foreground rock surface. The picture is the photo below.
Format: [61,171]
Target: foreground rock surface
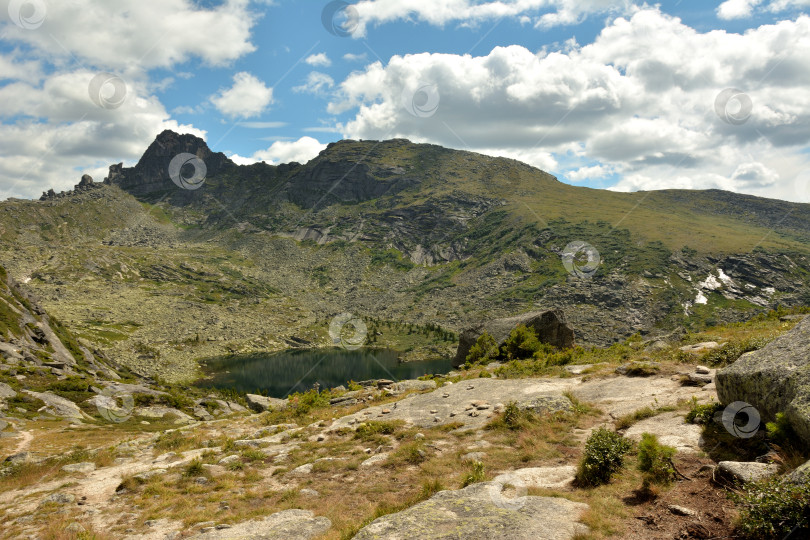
[481,512]
[286,525]
[774,379]
[550,326]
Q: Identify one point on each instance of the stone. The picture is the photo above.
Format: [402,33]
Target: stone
[550,326]
[700,378]
[474,456]
[60,498]
[19,458]
[263,403]
[681,510]
[699,347]
[82,468]
[801,474]
[6,392]
[412,385]
[481,512]
[286,525]
[58,406]
[303,469]
[235,407]
[751,471]
[156,412]
[75,528]
[546,404]
[703,370]
[309,492]
[773,379]
[3,425]
[229,459]
[539,477]
[374,460]
[578,369]
[202,414]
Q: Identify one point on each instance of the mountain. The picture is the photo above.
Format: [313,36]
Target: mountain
[261,257]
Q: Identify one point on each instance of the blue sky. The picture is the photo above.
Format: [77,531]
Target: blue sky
[620,95]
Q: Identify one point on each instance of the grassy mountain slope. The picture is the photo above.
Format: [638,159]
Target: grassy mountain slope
[261,257]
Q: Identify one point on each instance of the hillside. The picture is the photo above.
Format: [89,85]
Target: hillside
[261,257]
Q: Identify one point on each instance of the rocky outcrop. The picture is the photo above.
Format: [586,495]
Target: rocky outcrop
[481,512]
[263,403]
[550,326]
[151,174]
[774,379]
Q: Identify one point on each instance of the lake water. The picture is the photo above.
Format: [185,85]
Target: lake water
[279,374]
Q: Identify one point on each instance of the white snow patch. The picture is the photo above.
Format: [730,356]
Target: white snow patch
[27,280]
[701,298]
[769,290]
[724,278]
[710,283]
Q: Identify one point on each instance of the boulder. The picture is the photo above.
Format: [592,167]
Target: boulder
[481,512]
[550,326]
[801,474]
[746,471]
[286,525]
[412,384]
[774,379]
[58,406]
[262,403]
[6,392]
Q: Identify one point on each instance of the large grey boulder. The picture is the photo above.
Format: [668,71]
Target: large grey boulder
[550,326]
[286,525]
[262,403]
[58,406]
[481,511]
[774,379]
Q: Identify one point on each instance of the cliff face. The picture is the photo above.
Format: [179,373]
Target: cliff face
[151,174]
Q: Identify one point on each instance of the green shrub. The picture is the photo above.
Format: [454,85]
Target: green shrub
[604,455]
[475,475]
[655,460]
[369,430]
[521,343]
[194,468]
[780,430]
[303,402]
[731,351]
[772,509]
[701,414]
[484,351]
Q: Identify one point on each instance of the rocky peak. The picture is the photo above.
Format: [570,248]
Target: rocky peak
[152,171]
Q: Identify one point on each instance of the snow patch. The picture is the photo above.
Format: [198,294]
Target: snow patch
[701,298]
[710,283]
[724,278]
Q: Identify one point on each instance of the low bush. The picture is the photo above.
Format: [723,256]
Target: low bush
[476,474]
[604,455]
[483,351]
[773,509]
[731,351]
[655,460]
[702,414]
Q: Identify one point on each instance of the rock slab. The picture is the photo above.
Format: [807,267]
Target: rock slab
[478,512]
[774,379]
[746,471]
[286,525]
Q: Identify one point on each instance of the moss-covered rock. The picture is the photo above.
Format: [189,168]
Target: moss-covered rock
[774,379]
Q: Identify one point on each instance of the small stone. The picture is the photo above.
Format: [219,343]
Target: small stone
[228,459]
[703,370]
[321,438]
[436,419]
[419,436]
[445,395]
[482,406]
[309,492]
[201,480]
[150,522]
[470,387]
[681,510]
[386,411]
[433,411]
[746,471]
[222,526]
[452,414]
[60,498]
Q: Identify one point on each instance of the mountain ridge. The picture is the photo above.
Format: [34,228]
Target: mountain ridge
[260,257]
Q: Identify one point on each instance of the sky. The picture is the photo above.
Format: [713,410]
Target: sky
[621,95]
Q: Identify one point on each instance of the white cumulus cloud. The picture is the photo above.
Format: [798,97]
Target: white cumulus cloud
[248,97]
[301,151]
[320,60]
